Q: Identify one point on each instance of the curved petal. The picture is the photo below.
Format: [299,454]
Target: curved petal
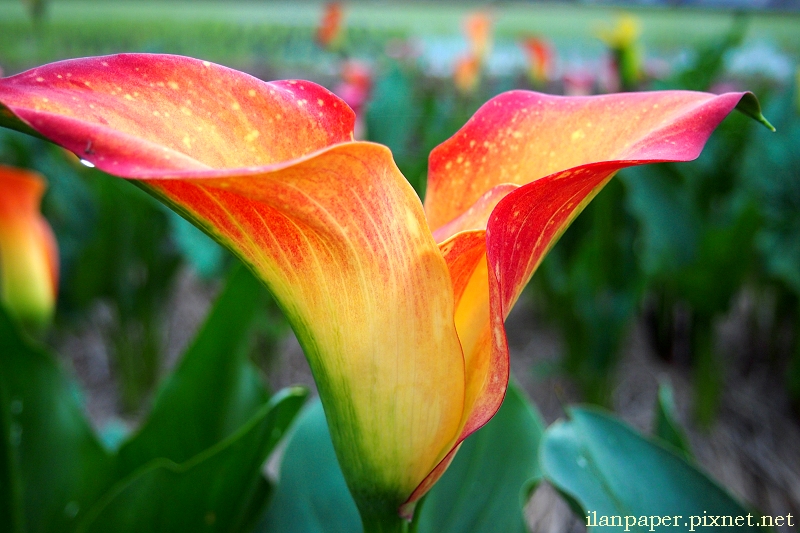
[143,114]
[521,136]
[331,227]
[28,250]
[342,242]
[493,176]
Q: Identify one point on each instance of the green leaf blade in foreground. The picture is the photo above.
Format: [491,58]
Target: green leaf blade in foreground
[206,493]
[56,465]
[311,496]
[488,483]
[483,491]
[187,416]
[613,471]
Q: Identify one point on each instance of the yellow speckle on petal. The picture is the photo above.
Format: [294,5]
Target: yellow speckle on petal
[173,85]
[320,101]
[156,113]
[449,165]
[251,92]
[252,136]
[206,64]
[128,97]
[235,106]
[577,135]
[411,223]
[186,111]
[187,141]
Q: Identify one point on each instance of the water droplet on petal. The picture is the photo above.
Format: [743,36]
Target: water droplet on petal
[87,163]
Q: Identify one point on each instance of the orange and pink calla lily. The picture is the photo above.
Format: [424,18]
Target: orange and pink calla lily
[399,307]
[28,249]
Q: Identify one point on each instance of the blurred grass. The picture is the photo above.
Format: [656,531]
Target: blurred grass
[240,33]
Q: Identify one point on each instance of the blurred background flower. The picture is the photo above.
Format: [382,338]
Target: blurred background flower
[28,249]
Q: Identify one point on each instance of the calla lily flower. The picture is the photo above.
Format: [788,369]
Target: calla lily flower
[541,57]
[28,250]
[478,29]
[398,307]
[467,73]
[330,27]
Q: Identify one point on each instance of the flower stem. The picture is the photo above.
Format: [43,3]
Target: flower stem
[386,525]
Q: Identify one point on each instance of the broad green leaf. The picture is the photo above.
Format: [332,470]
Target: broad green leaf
[610,469]
[487,485]
[311,496]
[665,425]
[483,490]
[214,390]
[52,456]
[213,491]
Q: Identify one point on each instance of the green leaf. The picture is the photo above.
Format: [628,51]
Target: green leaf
[613,471]
[213,491]
[483,490]
[214,390]
[488,483]
[665,425]
[311,496]
[53,462]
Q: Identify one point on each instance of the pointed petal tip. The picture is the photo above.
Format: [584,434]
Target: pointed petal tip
[750,106]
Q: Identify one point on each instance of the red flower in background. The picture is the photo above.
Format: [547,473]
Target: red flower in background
[355,89]
[330,27]
[541,59]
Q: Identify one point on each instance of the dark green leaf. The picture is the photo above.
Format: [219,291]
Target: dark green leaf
[213,491]
[311,496]
[488,483]
[214,390]
[483,490]
[53,457]
[613,471]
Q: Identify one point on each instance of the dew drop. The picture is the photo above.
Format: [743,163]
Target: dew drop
[582,461]
[87,163]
